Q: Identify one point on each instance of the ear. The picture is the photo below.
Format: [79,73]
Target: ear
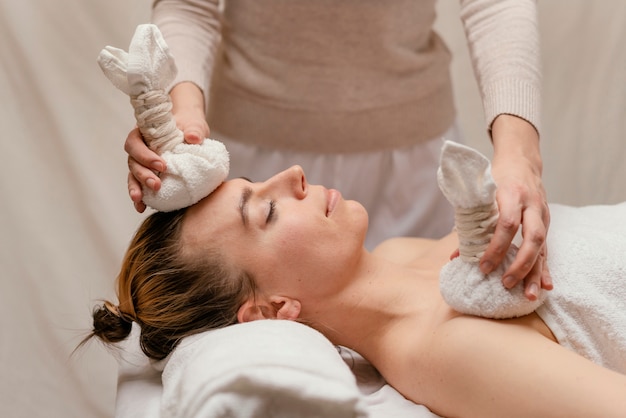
[249,311]
[286,308]
[279,307]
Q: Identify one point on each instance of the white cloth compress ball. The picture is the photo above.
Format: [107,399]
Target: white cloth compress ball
[464,177]
[144,72]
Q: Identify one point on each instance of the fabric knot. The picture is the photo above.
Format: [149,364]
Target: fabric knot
[475,227]
[155,120]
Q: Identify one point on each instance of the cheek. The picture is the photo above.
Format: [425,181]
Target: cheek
[293,248]
[300,253]
[294,230]
[290,253]
[319,242]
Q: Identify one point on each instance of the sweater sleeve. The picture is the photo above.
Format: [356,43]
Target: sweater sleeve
[503,40]
[192,30]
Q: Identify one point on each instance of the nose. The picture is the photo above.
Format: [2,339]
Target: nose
[292,180]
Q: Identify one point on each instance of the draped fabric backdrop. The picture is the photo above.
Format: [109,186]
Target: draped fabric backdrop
[66,218]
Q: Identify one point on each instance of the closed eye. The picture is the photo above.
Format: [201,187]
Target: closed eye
[272,211]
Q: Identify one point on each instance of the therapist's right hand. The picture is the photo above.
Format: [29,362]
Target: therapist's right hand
[145,165]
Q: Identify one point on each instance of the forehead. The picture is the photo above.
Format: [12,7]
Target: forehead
[216,215]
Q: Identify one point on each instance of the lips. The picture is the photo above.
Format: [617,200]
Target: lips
[333,197]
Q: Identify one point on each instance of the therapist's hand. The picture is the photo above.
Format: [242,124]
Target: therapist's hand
[144,165]
[521,198]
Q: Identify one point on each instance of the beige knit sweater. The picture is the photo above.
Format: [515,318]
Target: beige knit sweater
[347,75]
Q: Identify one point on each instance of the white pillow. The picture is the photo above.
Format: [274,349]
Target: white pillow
[267,368]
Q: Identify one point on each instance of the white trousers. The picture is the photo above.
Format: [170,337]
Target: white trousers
[397,187]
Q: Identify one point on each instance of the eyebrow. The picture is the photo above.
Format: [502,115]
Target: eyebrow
[243,204]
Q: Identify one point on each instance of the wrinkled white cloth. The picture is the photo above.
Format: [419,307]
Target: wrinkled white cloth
[270,368]
[139,385]
[140,391]
[464,177]
[586,310]
[193,171]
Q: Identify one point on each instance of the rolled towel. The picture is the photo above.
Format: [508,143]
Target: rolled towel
[267,368]
[464,177]
[144,72]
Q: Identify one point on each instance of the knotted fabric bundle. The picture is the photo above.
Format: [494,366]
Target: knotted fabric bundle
[464,177]
[143,73]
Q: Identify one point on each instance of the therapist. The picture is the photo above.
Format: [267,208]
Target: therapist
[359,93]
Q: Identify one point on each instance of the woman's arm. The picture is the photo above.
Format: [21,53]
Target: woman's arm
[192,30]
[487,368]
[503,40]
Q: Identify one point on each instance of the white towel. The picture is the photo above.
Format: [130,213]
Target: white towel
[138,383]
[193,171]
[267,368]
[139,389]
[586,311]
[464,177]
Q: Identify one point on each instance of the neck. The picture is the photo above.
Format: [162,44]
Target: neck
[383,298]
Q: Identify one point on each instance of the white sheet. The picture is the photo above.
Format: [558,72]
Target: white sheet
[65,218]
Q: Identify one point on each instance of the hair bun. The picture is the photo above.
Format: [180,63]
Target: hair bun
[109,324]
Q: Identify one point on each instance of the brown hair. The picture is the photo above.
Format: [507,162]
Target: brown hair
[169,292]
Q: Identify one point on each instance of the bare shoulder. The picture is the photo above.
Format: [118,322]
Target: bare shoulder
[403,249]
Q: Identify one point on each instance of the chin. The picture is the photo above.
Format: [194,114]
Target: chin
[359,215]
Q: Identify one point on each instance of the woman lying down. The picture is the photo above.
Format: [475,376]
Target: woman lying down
[285,249]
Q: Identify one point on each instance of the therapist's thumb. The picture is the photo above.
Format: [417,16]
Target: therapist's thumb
[193,136]
[195,131]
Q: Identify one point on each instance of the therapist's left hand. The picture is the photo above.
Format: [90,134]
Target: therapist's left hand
[521,198]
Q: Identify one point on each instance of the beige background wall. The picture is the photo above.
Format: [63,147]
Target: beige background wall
[584,96]
[65,217]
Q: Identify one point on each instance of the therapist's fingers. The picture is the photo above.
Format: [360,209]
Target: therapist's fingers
[546,277]
[139,152]
[528,263]
[135,193]
[509,221]
[144,166]
[539,277]
[192,122]
[532,282]
[139,176]
[144,175]
[195,132]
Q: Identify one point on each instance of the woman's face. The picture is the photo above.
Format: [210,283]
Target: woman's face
[296,239]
